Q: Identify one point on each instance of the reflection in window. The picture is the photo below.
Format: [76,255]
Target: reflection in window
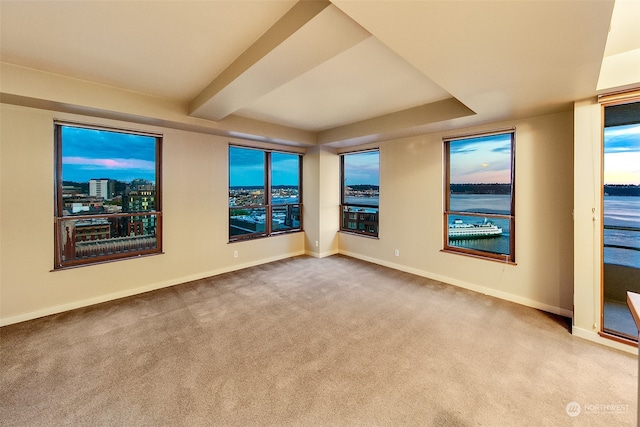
[107,194]
[256,208]
[479,204]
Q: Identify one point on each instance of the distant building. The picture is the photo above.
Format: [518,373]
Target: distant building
[92,229]
[140,196]
[102,187]
[71,190]
[79,204]
[243,224]
[360,220]
[139,201]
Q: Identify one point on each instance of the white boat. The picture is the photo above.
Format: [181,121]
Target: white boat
[462,230]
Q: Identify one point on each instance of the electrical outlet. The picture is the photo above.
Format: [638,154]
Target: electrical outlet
[316,243]
[235,254]
[396,252]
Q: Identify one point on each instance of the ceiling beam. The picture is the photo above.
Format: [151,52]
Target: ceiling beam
[396,125]
[295,44]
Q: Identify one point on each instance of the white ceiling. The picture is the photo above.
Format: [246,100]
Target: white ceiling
[624,35]
[337,68]
[171,49]
[621,63]
[334,93]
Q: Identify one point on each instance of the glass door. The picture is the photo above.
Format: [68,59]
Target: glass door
[621,216]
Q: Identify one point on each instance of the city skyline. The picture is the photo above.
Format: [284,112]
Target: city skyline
[622,154]
[112,155]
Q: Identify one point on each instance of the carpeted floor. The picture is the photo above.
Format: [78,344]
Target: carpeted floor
[305,341]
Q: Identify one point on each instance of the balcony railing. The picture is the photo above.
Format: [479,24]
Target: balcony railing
[620,246]
[251,221]
[360,220]
[115,245]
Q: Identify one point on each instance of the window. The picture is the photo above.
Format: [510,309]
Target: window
[360,192]
[107,194]
[479,217]
[263,184]
[621,214]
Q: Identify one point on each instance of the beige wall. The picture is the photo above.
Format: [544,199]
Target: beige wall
[558,260]
[588,223]
[321,192]
[195,218]
[195,239]
[587,205]
[26,86]
[411,205]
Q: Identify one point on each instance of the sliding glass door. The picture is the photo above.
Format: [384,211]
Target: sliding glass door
[621,216]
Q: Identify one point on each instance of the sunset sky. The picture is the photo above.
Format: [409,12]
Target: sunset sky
[622,154]
[362,168]
[482,160]
[89,153]
[92,154]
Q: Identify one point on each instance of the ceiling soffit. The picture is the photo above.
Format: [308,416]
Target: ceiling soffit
[334,70]
[298,42]
[316,69]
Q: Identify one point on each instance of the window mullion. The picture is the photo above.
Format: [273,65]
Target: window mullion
[267,193]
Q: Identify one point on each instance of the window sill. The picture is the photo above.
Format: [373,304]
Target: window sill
[105,261]
[350,233]
[265,236]
[479,256]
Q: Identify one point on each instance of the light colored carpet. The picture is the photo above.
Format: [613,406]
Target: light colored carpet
[305,341]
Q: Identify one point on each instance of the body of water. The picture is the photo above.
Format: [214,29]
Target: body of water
[486,204]
[622,211]
[284,200]
[368,201]
[619,211]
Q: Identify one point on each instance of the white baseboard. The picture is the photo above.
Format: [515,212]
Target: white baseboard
[322,254]
[466,285]
[140,290]
[594,337]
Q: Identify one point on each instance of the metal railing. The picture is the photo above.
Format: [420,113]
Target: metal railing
[115,245]
[360,219]
[621,228]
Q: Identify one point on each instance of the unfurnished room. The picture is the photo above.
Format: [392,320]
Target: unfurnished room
[314,212]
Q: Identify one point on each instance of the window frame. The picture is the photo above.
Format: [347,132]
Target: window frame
[509,258]
[268,188]
[362,217]
[610,100]
[59,217]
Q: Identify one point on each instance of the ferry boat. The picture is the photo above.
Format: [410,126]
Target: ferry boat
[462,230]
